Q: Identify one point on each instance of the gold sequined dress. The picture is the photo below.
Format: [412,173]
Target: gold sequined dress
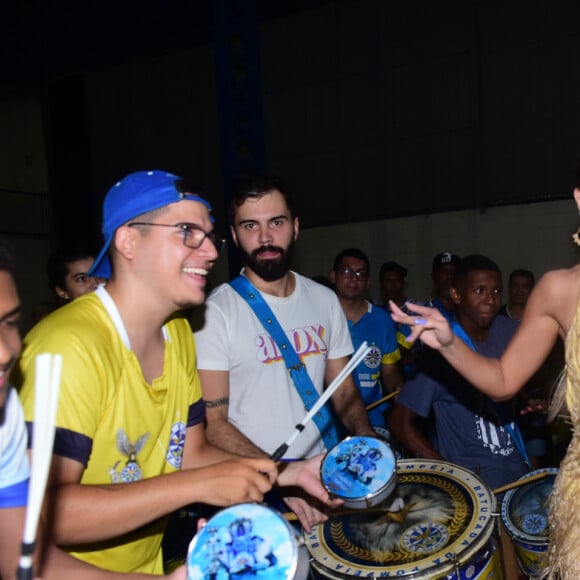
[564,550]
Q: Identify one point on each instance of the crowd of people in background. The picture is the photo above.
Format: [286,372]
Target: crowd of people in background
[542,443]
[155,415]
[550,315]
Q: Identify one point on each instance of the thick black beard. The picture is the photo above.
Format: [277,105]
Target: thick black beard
[268,270]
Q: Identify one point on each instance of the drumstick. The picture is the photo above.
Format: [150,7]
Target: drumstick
[46,386]
[520,482]
[292,517]
[381,401]
[339,379]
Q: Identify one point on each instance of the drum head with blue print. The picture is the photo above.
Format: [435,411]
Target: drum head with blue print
[244,541]
[524,510]
[359,468]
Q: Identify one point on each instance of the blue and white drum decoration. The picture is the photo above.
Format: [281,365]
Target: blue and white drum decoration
[438,523]
[524,511]
[359,470]
[247,541]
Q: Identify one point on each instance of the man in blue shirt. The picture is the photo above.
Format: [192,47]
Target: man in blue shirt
[378,374]
[470,429]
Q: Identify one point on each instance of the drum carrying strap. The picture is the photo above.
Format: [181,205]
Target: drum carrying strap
[510,426]
[297,369]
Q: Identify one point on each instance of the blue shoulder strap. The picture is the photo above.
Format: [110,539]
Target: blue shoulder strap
[511,427]
[297,369]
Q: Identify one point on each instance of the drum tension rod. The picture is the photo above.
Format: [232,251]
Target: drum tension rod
[456,565]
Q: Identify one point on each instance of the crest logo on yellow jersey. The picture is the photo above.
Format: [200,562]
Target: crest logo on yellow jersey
[131,471]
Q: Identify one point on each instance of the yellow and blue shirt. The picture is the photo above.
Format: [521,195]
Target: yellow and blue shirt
[119,427]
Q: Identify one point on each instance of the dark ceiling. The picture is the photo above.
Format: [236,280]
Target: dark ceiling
[40,40]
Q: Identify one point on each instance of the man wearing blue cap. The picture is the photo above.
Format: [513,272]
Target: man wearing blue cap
[130,446]
[14,464]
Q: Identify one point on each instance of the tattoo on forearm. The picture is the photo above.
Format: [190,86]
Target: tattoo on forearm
[216,402]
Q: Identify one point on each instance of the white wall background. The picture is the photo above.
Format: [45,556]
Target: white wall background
[536,236]
[533,236]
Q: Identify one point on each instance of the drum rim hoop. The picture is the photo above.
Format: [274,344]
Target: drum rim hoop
[515,533]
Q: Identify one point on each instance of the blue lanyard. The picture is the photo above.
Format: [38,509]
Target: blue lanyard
[510,426]
[297,369]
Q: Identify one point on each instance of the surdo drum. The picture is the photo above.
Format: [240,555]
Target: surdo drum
[247,541]
[359,470]
[524,512]
[437,523]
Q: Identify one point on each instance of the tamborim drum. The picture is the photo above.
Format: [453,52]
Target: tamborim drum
[359,470]
[437,524]
[524,512]
[247,541]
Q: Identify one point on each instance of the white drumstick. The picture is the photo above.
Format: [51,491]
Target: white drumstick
[46,387]
[356,358]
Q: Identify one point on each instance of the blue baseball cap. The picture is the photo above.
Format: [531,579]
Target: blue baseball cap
[133,196]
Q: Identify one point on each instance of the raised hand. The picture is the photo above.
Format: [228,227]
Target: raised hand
[428,324]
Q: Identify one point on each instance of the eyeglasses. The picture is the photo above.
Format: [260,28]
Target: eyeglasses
[349,274]
[193,235]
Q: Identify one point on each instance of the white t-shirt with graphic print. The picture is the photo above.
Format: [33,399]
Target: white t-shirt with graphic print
[264,404]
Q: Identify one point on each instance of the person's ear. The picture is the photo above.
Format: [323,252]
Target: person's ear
[296,226]
[234,236]
[61,293]
[125,241]
[454,295]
